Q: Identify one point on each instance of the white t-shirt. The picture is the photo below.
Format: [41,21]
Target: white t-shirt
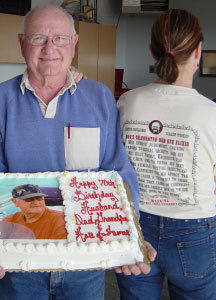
[170,135]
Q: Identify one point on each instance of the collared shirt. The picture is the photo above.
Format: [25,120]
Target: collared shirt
[49,110]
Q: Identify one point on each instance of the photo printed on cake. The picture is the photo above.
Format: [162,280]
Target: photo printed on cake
[31,208]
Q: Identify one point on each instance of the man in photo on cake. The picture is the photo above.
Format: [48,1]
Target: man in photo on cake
[50,123]
[178,203]
[45,223]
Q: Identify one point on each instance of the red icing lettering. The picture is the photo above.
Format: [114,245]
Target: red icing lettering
[83,236]
[107,183]
[80,196]
[101,235]
[80,221]
[86,209]
[117,232]
[83,184]
[117,218]
[98,209]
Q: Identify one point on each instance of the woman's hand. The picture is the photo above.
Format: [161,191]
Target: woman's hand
[77,75]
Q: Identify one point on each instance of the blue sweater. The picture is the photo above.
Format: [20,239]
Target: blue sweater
[31,143]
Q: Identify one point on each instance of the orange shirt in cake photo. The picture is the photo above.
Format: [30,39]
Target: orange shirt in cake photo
[38,213]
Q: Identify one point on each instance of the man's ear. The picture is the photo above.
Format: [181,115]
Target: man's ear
[21,42]
[74,42]
[75,39]
[14,200]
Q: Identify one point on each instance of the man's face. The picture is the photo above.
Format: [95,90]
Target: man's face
[156,127]
[48,60]
[34,205]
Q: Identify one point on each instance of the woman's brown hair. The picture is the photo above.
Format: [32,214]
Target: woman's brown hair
[175,35]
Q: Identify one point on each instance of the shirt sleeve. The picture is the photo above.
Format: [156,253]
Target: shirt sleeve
[3,167]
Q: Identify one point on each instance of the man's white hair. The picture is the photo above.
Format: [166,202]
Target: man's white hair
[32,11]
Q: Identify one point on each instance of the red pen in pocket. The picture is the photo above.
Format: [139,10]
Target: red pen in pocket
[69,126]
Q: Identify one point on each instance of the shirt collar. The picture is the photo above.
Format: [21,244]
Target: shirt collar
[70,84]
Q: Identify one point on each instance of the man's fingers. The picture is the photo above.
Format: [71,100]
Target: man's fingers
[151,251]
[2,272]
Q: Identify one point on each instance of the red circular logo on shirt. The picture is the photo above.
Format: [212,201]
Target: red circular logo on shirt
[155,127]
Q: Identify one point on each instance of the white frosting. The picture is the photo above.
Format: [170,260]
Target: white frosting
[110,240]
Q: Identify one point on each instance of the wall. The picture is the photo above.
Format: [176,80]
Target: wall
[8,71]
[205,11]
[137,57]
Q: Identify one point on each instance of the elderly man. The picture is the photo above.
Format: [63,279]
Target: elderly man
[47,123]
[45,223]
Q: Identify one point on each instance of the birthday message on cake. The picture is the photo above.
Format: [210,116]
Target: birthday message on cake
[94,210]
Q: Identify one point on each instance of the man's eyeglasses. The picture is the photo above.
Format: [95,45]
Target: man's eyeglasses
[41,40]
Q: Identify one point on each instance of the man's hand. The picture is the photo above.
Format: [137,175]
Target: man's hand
[139,267]
[2,272]
[77,75]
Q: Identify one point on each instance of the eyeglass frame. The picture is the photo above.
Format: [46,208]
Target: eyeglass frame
[47,38]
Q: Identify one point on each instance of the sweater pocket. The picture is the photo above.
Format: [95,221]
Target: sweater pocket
[82,148]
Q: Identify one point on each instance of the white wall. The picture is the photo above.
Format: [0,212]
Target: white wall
[205,11]
[133,38]
[8,71]
[137,56]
